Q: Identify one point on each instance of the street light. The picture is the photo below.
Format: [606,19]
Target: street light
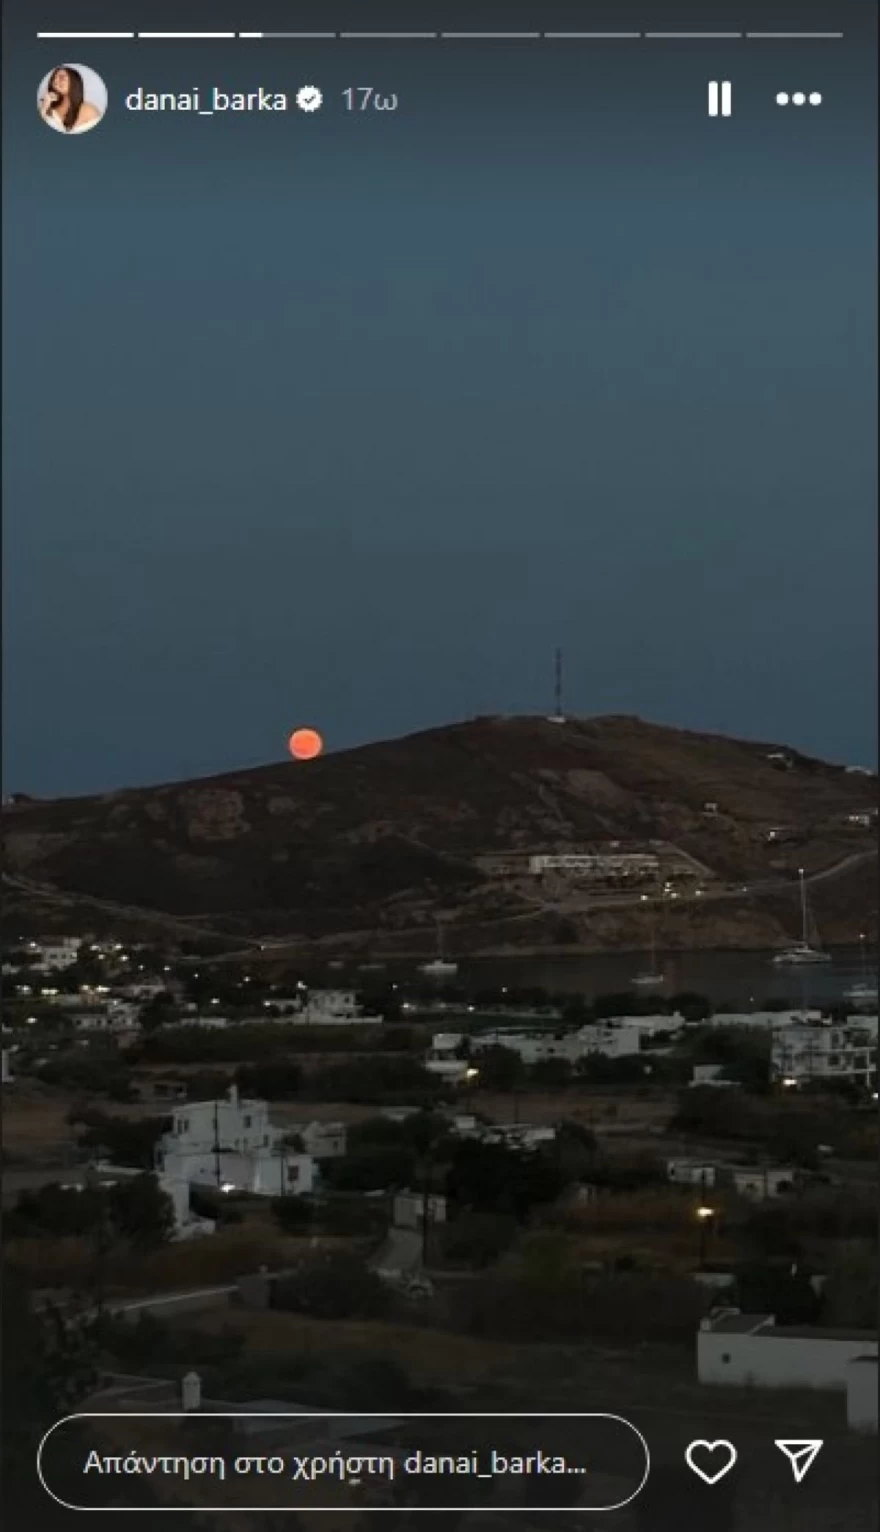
[705,1218]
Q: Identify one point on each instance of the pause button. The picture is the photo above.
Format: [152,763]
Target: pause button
[720,98]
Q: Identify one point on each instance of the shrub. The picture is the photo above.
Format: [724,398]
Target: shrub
[293,1215]
[384,1079]
[136,1211]
[625,1307]
[125,1141]
[333,1285]
[478,1239]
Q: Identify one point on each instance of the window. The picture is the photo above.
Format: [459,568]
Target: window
[247,1122]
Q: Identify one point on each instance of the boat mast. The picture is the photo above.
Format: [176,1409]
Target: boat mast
[804,918]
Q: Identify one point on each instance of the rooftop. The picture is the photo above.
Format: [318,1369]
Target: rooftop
[764,1324]
[740,1324]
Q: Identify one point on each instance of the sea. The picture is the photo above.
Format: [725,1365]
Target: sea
[738,980]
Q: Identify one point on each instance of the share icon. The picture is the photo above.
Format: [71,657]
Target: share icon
[801,1455]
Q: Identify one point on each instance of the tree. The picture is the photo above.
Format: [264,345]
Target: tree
[135,1210]
[378,1079]
[599,1069]
[783,1290]
[159,1011]
[48,1368]
[574,1150]
[371,1170]
[141,1212]
[478,1239]
[130,1142]
[850,1297]
[492,1178]
[501,1069]
[551,1074]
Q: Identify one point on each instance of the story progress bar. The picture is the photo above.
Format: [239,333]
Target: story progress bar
[441,36]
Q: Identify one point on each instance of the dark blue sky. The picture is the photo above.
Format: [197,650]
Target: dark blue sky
[351,421]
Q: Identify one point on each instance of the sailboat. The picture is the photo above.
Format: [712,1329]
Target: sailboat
[439,967]
[864,992]
[802,953]
[652,978]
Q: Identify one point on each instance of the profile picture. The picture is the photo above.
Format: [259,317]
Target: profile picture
[72,98]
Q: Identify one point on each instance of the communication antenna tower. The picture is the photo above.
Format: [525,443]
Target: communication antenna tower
[557,716]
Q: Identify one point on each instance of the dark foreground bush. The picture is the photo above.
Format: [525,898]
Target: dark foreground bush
[629,1307]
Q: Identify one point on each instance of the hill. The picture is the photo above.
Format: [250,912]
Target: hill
[366,848]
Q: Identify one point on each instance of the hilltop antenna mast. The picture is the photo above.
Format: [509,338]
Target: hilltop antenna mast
[557,716]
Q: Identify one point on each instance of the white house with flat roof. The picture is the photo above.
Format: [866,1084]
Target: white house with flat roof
[52,954]
[444,1058]
[614,1039]
[684,1172]
[861,1395]
[322,1140]
[231,1144]
[751,1351]
[761,1183]
[804,1053]
[333,1007]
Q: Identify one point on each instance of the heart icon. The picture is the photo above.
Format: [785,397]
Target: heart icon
[724,1454]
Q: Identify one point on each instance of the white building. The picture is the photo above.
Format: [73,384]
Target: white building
[231,1144]
[597,865]
[322,1140]
[145,989]
[770,1021]
[712,1075]
[52,954]
[750,1351]
[116,1016]
[443,1059]
[861,1394]
[333,1007]
[690,1172]
[614,1039]
[187,1225]
[517,1135]
[802,1053]
[762,1182]
[409,1209]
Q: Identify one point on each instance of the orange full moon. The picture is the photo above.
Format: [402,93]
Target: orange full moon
[305,744]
